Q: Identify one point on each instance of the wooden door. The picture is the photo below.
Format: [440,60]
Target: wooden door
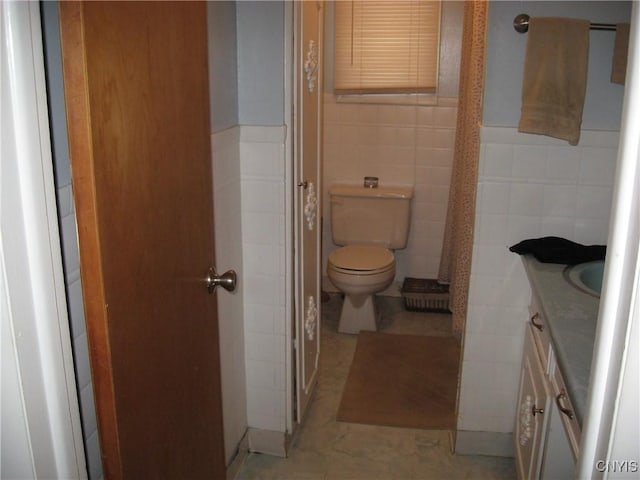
[309,26]
[136,90]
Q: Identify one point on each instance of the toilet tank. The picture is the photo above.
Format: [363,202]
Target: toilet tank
[370,216]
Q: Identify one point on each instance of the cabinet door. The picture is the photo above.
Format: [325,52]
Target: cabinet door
[558,459]
[533,403]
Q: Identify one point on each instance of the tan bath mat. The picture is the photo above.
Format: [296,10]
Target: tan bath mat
[402,381]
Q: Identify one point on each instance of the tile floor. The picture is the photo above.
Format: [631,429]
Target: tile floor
[325,449]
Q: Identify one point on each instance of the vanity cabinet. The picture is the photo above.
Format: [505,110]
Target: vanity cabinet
[531,420]
[547,433]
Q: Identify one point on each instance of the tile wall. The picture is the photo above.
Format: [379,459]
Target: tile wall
[529,186]
[400,144]
[71,260]
[228,229]
[262,172]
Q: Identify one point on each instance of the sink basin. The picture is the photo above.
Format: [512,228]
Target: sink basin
[586,277]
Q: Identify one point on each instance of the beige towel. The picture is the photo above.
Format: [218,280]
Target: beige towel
[620,48]
[555,77]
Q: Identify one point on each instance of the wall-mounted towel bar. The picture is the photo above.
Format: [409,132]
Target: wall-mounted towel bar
[521,24]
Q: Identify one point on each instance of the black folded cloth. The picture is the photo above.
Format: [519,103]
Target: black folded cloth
[559,250]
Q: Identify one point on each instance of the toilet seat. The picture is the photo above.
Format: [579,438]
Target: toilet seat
[361,260]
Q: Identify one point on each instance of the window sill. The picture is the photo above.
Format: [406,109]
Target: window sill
[397,99]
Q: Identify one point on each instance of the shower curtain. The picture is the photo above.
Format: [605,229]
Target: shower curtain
[455,263]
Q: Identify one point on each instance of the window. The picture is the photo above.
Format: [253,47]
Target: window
[386,47]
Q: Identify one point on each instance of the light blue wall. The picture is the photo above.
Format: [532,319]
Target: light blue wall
[505,61]
[223,64]
[260,62]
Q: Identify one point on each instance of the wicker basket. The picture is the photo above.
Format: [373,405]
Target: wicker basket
[425,295]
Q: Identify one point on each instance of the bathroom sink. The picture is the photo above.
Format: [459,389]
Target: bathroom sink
[586,277]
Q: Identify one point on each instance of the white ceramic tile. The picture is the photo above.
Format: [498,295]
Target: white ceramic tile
[444,138]
[331,112]
[521,227]
[76,308]
[529,162]
[445,116]
[559,201]
[94,461]
[558,227]
[480,319]
[426,115]
[526,199]
[425,138]
[439,194]
[260,197]
[594,202]
[563,163]
[69,236]
[491,229]
[396,175]
[261,289]
[368,114]
[498,160]
[490,259]
[485,289]
[495,198]
[261,160]
[260,228]
[88,411]
[262,347]
[266,422]
[349,113]
[332,134]
[264,375]
[262,134]
[598,166]
[590,231]
[442,157]
[260,318]
[65,202]
[81,357]
[367,134]
[396,155]
[350,134]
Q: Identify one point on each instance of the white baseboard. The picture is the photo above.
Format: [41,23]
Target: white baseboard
[495,444]
[269,442]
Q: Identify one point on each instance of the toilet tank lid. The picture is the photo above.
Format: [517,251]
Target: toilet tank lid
[348,190]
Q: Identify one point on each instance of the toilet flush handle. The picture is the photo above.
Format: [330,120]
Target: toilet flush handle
[227,280]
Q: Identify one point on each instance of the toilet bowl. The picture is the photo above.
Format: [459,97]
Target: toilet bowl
[368,224]
[360,271]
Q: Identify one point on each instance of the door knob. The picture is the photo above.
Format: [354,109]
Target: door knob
[227,280]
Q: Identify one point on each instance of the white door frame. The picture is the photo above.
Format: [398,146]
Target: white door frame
[610,431]
[290,239]
[34,311]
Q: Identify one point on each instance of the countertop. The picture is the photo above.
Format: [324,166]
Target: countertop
[571,316]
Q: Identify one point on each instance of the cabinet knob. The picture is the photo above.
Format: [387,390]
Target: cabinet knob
[535,411]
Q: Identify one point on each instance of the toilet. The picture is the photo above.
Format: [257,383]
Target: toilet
[368,224]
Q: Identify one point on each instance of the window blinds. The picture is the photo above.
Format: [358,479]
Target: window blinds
[386,46]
